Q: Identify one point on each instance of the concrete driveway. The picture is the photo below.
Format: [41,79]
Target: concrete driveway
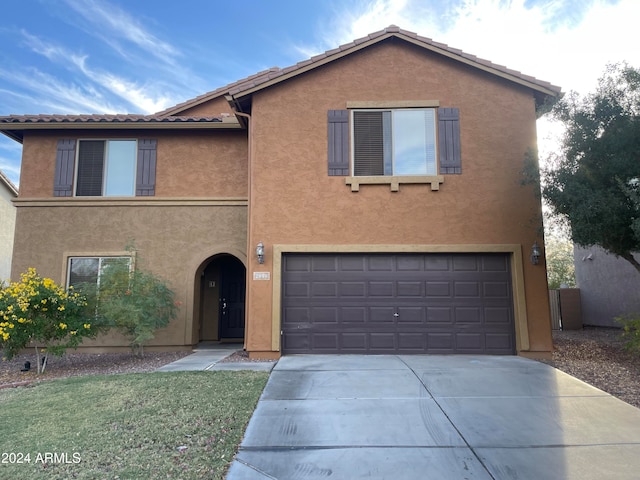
[435,417]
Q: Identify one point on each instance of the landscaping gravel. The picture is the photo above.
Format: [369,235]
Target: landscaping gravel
[594,355]
[597,356]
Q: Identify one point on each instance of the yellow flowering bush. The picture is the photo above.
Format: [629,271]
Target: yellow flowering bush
[35,311]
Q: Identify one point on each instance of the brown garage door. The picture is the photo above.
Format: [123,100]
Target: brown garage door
[397,303]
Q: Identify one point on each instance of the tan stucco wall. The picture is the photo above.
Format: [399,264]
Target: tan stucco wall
[295,202]
[172,241]
[189,163]
[7,227]
[199,210]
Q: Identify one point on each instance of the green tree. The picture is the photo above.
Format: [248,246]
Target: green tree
[560,267]
[588,181]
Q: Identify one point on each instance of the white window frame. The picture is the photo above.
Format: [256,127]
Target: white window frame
[105,167]
[100,259]
[391,147]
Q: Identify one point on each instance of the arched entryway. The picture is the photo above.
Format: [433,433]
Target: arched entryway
[222,299]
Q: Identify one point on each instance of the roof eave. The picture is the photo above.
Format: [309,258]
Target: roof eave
[15,130]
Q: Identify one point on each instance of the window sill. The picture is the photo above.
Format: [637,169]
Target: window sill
[394,181]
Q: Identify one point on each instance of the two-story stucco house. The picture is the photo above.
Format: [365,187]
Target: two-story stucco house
[367,200]
[8,192]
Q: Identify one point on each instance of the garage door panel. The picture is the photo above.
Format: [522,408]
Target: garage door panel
[381,314]
[410,315]
[440,315]
[440,342]
[466,263]
[497,316]
[499,341]
[466,289]
[437,263]
[296,289]
[470,342]
[410,289]
[468,315]
[495,289]
[324,289]
[380,263]
[353,289]
[326,315]
[438,289]
[381,289]
[412,342]
[416,303]
[353,315]
[297,315]
[382,342]
[324,264]
[354,342]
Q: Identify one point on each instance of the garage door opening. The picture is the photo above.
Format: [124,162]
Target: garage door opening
[397,303]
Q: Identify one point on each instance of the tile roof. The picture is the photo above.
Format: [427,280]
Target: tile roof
[107,118]
[261,79]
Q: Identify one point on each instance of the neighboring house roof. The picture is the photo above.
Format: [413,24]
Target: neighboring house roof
[13,190]
[242,88]
[14,125]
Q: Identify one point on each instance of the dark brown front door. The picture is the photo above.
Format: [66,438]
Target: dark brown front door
[397,303]
[232,297]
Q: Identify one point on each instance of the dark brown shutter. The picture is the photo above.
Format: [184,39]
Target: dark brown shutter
[65,164]
[449,140]
[338,121]
[146,173]
[368,143]
[90,168]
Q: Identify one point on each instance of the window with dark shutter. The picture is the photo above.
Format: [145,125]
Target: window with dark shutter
[146,169]
[449,140]
[338,147]
[65,168]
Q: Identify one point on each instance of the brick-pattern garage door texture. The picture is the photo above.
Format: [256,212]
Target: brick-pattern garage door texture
[397,303]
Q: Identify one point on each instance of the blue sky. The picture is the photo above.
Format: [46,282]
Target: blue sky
[141,56]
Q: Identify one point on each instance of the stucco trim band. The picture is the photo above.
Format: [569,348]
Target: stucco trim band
[131,202]
[394,104]
[517,276]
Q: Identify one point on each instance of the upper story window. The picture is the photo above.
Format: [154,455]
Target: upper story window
[106,168]
[109,168]
[400,142]
[394,142]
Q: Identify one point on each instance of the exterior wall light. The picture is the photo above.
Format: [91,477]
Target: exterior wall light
[260,252]
[535,253]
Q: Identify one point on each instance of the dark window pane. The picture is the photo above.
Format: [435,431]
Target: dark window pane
[90,168]
[368,146]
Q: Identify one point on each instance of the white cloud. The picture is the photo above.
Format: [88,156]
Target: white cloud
[539,39]
[54,96]
[114,25]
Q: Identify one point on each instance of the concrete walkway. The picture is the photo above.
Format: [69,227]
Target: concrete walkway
[209,357]
[435,417]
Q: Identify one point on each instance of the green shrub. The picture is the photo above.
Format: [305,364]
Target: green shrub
[630,330]
[36,311]
[136,302]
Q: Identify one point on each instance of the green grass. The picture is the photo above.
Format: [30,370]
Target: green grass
[127,426]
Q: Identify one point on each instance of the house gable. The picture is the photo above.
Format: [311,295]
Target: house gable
[238,94]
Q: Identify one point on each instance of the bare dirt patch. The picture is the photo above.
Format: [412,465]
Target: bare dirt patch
[76,364]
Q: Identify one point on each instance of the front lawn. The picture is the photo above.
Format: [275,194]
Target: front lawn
[183,425]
